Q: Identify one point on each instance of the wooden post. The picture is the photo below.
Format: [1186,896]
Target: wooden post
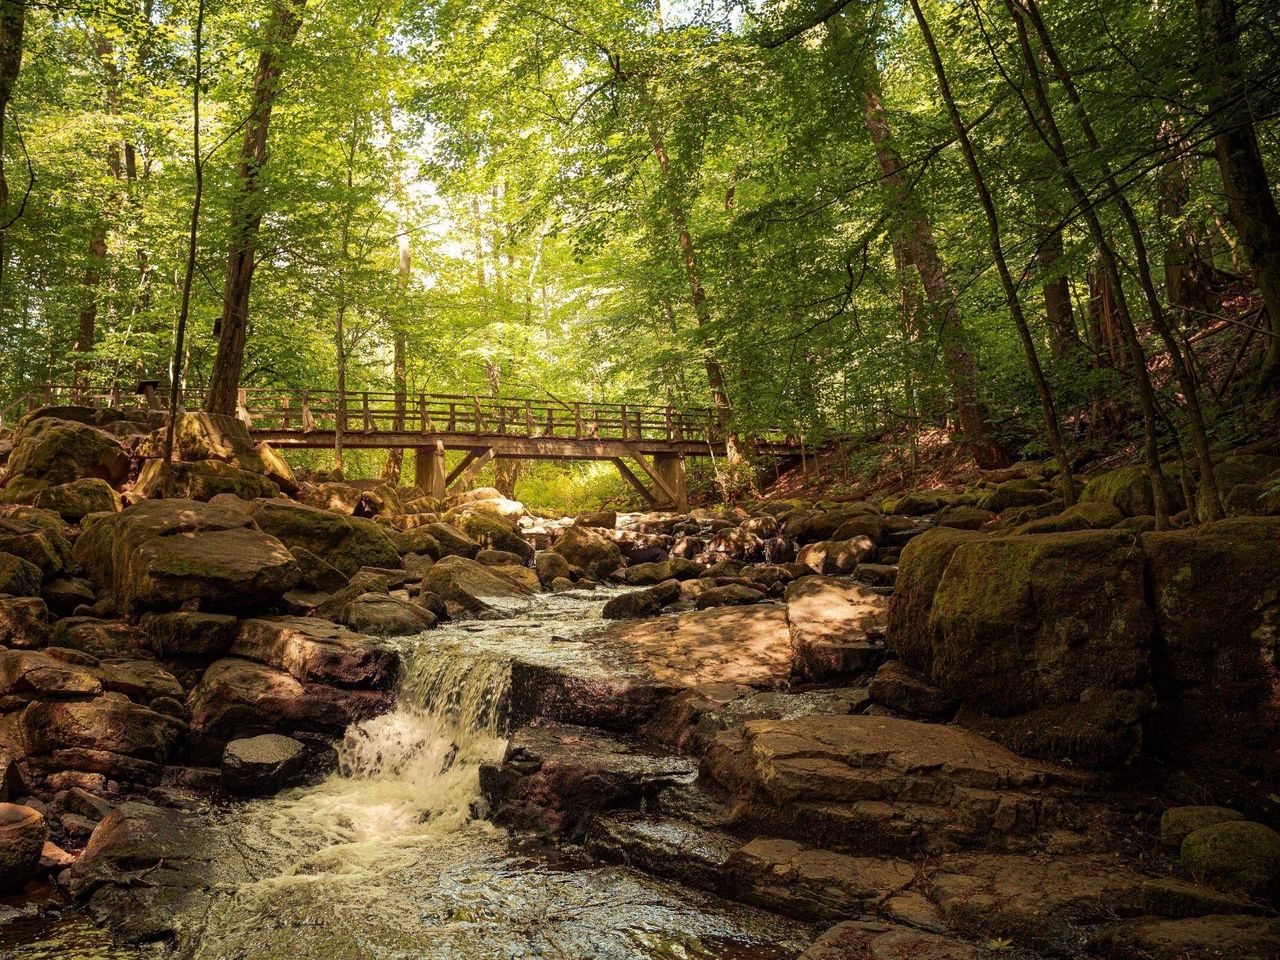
[428,470]
[284,413]
[424,421]
[577,421]
[625,431]
[308,419]
[368,424]
[528,418]
[475,403]
[670,467]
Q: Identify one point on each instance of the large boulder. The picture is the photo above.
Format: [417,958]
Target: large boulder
[38,543]
[49,451]
[347,543]
[1216,592]
[171,553]
[243,698]
[1058,620]
[198,435]
[382,615]
[587,550]
[18,577]
[470,587]
[24,622]
[75,500]
[201,480]
[109,734]
[835,557]
[642,603]
[22,836]
[1129,490]
[263,765]
[836,626]
[312,649]
[492,531]
[1236,855]
[31,674]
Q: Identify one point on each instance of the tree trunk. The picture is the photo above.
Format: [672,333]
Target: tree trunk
[921,251]
[1250,203]
[232,326]
[1064,339]
[89,309]
[12,17]
[1209,497]
[394,467]
[997,251]
[1042,120]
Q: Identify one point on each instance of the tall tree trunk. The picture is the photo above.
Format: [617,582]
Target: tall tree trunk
[394,467]
[1209,501]
[1250,202]
[12,17]
[921,251]
[89,308]
[1064,339]
[231,328]
[1042,119]
[997,251]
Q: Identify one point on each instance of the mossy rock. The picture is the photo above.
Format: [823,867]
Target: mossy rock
[490,530]
[1013,493]
[591,553]
[75,500]
[18,577]
[962,516]
[203,480]
[1236,855]
[417,540]
[198,435]
[453,542]
[37,543]
[1081,516]
[916,503]
[60,451]
[1178,823]
[1128,489]
[347,543]
[920,568]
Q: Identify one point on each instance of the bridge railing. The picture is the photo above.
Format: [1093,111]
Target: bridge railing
[368,412]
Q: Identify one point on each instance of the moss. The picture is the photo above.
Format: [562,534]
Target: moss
[1237,855]
[18,577]
[1128,489]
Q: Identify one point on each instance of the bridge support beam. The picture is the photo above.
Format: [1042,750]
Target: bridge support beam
[670,467]
[466,471]
[428,470]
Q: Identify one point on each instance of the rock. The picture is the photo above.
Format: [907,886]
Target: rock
[468,587]
[167,553]
[380,615]
[673,568]
[54,452]
[202,480]
[882,785]
[664,847]
[875,940]
[101,735]
[24,622]
[98,638]
[315,650]
[1192,938]
[1012,493]
[30,673]
[833,557]
[816,525]
[902,689]
[1092,515]
[736,543]
[452,541]
[75,500]
[142,681]
[730,595]
[65,595]
[492,532]
[595,555]
[554,776]
[417,540]
[347,543]
[876,574]
[916,503]
[561,584]
[603,519]
[11,785]
[201,436]
[1177,823]
[1212,671]
[1236,855]
[642,603]
[1239,479]
[263,765]
[961,516]
[550,566]
[498,558]
[1022,623]
[19,577]
[181,633]
[37,543]
[241,698]
[836,626]
[22,837]
[1128,490]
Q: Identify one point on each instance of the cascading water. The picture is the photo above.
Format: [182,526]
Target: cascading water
[388,860]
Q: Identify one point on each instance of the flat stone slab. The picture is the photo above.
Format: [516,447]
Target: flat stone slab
[315,650]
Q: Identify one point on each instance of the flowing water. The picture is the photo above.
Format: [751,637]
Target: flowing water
[387,859]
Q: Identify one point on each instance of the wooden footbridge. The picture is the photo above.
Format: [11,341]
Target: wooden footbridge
[657,439]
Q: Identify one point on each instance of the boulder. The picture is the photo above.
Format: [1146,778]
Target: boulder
[348,543]
[920,568]
[468,587]
[904,690]
[729,595]
[171,553]
[19,577]
[181,633]
[381,615]
[1092,515]
[75,500]
[65,595]
[22,837]
[960,516]
[1243,482]
[642,603]
[451,540]
[198,435]
[736,543]
[1129,490]
[29,674]
[37,543]
[277,469]
[99,638]
[1236,855]
[834,557]
[315,650]
[24,622]
[673,568]
[549,566]
[100,735]
[1011,494]
[591,553]
[417,541]
[602,519]
[491,531]
[263,765]
[142,681]
[1191,938]
[202,480]
[877,940]
[1177,823]
[836,626]
[242,698]
[49,452]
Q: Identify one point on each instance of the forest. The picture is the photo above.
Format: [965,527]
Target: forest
[1029,227]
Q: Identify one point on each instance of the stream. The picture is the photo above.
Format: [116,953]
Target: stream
[389,857]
